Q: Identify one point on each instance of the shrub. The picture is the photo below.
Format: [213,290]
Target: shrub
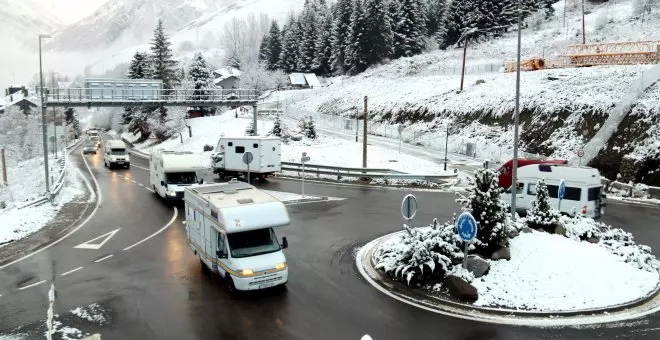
[542,215]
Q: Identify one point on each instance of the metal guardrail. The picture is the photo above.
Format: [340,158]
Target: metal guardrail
[341,172]
[58,184]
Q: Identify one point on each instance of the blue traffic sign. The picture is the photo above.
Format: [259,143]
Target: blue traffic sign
[562,189]
[467,226]
[409,207]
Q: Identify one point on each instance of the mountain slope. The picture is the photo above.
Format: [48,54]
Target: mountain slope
[23,20]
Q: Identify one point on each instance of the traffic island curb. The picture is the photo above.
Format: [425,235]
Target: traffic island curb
[417,298]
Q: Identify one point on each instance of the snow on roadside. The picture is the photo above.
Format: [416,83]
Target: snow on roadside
[20,223]
[553,273]
[92,313]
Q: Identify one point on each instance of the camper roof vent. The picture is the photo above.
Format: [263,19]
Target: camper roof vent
[244,200]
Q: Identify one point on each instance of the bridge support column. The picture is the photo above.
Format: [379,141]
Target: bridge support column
[254,120]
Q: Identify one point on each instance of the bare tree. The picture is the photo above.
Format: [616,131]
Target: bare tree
[242,37]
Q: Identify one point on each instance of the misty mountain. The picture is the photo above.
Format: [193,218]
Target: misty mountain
[24,20]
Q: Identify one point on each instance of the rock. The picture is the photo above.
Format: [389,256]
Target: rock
[593,239]
[478,266]
[501,254]
[296,138]
[526,230]
[480,81]
[3,205]
[553,78]
[461,289]
[560,230]
[513,233]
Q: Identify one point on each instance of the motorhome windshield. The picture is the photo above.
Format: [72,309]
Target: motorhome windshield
[118,152]
[180,177]
[253,243]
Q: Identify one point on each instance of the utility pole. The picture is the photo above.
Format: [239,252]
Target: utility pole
[357,124]
[4,166]
[446,146]
[43,117]
[364,130]
[584,37]
[565,4]
[514,181]
[464,57]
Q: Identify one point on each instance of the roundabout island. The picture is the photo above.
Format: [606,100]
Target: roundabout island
[544,270]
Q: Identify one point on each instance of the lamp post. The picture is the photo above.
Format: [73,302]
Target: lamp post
[516,119]
[43,116]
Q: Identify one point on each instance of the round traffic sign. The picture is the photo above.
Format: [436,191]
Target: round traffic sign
[580,153]
[248,157]
[562,189]
[409,207]
[466,226]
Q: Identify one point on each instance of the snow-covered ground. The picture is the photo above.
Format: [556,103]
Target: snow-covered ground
[325,150]
[20,223]
[553,273]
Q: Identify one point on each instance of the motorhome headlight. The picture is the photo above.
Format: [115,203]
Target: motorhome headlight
[280,266]
[171,193]
[247,272]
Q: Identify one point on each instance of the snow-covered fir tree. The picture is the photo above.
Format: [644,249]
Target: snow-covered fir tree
[542,215]
[460,16]
[484,202]
[163,65]
[264,49]
[274,46]
[410,29]
[139,68]
[277,127]
[75,124]
[435,10]
[199,74]
[289,54]
[340,33]
[308,36]
[356,49]
[307,127]
[378,35]
[323,58]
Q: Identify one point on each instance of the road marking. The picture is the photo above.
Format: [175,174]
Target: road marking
[104,258]
[32,285]
[152,190]
[140,185]
[97,246]
[176,213]
[139,167]
[96,208]
[132,181]
[71,271]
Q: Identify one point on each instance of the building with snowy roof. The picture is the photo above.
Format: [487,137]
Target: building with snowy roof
[227,77]
[303,80]
[18,99]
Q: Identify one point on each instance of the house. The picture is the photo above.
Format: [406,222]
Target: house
[303,81]
[227,77]
[18,99]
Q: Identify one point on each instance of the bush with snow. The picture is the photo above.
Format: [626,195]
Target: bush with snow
[483,200]
[307,127]
[542,215]
[617,241]
[420,254]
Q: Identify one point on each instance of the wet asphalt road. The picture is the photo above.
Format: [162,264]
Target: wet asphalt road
[157,290]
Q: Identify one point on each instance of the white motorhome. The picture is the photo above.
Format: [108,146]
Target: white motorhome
[583,188]
[115,154]
[228,161]
[171,171]
[231,227]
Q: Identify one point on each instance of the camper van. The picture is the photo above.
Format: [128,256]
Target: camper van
[231,226]
[171,171]
[115,154]
[583,189]
[506,173]
[228,161]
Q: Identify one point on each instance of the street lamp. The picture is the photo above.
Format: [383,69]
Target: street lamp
[43,115]
[514,174]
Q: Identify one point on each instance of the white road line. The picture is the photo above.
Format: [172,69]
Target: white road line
[96,208]
[32,285]
[104,258]
[139,167]
[140,185]
[71,271]
[133,181]
[176,213]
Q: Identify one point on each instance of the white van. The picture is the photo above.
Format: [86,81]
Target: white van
[583,188]
[266,153]
[115,154]
[171,171]
[231,227]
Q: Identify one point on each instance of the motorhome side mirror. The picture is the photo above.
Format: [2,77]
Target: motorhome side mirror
[220,254]
[201,181]
[162,183]
[285,243]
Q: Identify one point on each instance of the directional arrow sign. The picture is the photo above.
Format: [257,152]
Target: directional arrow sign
[104,238]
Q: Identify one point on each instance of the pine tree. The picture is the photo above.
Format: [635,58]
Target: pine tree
[289,54]
[277,127]
[264,49]
[163,65]
[460,16]
[274,46]
[308,37]
[546,6]
[322,61]
[410,29]
[489,211]
[76,124]
[340,34]
[542,215]
[378,35]
[435,10]
[200,75]
[138,68]
[356,49]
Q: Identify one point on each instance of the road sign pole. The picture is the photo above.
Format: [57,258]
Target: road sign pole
[248,179]
[465,256]
[303,179]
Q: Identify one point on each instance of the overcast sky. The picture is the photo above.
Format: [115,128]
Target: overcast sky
[73,10]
